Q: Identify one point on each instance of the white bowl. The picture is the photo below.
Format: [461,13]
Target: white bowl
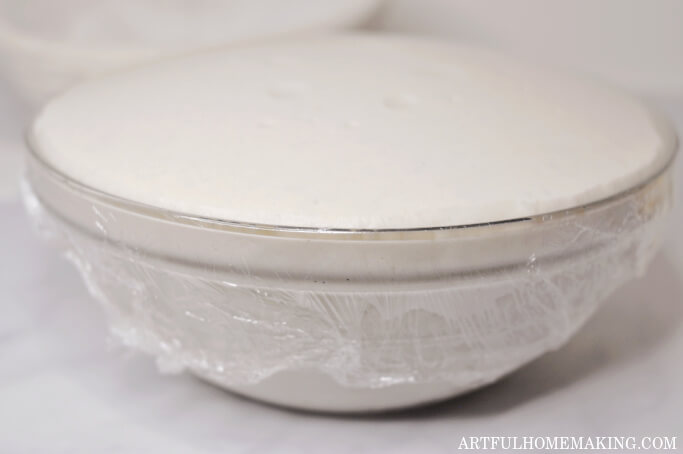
[45,46]
[347,320]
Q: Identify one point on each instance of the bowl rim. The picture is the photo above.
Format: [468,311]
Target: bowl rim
[330,233]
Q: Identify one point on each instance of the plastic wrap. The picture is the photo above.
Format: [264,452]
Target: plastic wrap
[341,303]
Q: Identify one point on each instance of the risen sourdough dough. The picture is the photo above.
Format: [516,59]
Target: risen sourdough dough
[352,131]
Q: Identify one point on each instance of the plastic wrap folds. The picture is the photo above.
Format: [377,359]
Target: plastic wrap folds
[463,306]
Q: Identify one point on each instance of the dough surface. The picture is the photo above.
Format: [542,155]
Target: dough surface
[352,131]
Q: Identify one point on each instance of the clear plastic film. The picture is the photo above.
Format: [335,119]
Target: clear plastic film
[369,310]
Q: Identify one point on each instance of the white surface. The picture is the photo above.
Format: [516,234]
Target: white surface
[352,131]
[635,43]
[63,390]
[11,166]
[12,118]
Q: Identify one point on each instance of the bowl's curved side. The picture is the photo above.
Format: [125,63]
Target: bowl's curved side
[356,345]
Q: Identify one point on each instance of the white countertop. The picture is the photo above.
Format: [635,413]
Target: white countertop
[64,389]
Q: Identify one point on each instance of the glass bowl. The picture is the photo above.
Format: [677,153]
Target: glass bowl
[346,320]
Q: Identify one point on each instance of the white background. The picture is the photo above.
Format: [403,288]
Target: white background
[63,389]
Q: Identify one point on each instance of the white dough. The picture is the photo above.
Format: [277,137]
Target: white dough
[352,131]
